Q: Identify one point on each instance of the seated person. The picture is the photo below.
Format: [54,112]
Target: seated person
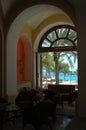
[24,97]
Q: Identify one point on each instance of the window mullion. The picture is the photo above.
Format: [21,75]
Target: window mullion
[48,40]
[67,33]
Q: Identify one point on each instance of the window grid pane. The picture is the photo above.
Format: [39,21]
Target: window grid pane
[62,42]
[46,43]
[72,34]
[62,32]
[52,36]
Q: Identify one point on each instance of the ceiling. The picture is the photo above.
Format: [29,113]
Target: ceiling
[37,12]
[7,4]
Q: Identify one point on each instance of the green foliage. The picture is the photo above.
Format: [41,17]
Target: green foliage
[69,57]
[47,62]
[63,67]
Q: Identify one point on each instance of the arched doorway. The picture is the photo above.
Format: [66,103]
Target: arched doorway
[61,42]
[16,28]
[60,45]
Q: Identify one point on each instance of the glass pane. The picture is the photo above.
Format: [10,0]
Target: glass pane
[62,32]
[67,64]
[69,57]
[68,67]
[76,42]
[52,36]
[72,34]
[46,43]
[62,42]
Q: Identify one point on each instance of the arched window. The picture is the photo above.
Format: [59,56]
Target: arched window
[59,38]
[60,42]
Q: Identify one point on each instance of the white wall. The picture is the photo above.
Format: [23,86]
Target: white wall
[81,27]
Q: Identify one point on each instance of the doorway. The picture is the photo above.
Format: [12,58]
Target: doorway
[57,58]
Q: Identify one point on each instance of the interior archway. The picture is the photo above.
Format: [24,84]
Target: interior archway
[15,31]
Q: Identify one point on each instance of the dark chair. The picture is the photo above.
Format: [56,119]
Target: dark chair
[47,110]
[23,98]
[26,100]
[39,114]
[28,115]
[56,98]
[26,96]
[72,97]
[35,95]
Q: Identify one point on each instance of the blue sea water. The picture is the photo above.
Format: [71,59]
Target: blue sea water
[68,77]
[62,76]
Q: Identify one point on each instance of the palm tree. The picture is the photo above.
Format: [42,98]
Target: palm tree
[68,58]
[47,63]
[63,67]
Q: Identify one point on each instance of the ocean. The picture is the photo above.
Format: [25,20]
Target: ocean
[62,76]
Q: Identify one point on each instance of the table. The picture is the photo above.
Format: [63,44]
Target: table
[11,108]
[2,105]
[9,112]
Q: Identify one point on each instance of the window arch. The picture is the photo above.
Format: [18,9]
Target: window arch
[59,38]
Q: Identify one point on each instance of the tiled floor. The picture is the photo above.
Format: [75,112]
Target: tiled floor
[63,118]
[66,111]
[77,124]
[60,124]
